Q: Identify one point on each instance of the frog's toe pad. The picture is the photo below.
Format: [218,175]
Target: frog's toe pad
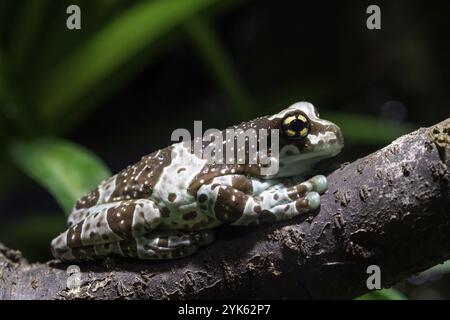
[313,199]
[320,183]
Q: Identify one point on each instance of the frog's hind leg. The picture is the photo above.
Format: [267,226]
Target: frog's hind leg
[171,244]
[152,246]
[106,224]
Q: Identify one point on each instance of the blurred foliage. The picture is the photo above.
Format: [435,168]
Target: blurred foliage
[134,29]
[384,294]
[34,109]
[31,109]
[52,80]
[364,129]
[214,55]
[33,235]
[66,170]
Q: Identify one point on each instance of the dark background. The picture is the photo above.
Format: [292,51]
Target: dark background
[259,57]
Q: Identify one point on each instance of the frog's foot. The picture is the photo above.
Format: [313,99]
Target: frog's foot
[310,202]
[276,196]
[106,225]
[152,246]
[256,212]
[317,183]
[171,244]
[233,206]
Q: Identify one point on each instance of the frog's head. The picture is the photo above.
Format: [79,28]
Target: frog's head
[305,139]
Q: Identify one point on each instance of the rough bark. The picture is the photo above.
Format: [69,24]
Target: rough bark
[390,208]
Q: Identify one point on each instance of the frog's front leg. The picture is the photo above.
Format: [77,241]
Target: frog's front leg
[231,205]
[106,224]
[278,195]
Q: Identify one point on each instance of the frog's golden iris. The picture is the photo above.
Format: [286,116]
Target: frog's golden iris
[295,126]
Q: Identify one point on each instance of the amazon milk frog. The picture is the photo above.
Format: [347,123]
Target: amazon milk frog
[166,205]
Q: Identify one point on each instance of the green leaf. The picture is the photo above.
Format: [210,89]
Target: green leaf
[65,169]
[384,294]
[108,50]
[214,55]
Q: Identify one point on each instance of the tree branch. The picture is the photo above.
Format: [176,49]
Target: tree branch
[390,208]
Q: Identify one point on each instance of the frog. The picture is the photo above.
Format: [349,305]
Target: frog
[167,205]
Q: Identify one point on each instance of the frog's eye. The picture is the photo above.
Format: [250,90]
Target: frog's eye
[295,126]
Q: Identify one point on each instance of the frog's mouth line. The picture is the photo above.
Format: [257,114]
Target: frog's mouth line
[324,153]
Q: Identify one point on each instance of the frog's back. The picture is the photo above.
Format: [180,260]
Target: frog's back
[136,181]
[170,176]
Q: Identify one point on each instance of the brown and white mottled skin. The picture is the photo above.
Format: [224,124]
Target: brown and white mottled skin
[166,205]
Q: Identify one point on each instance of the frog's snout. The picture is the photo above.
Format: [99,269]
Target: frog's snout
[339,136]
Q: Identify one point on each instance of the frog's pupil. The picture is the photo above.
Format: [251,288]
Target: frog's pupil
[297,125]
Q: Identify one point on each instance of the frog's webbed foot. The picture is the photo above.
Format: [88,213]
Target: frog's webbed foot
[231,205]
[152,246]
[171,244]
[291,192]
